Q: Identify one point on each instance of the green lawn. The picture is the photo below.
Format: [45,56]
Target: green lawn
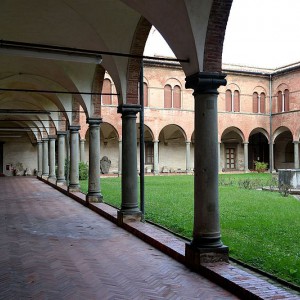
[261,228]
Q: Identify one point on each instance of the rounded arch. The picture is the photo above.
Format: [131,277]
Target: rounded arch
[148,133]
[172,132]
[260,130]
[259,89]
[173,82]
[279,130]
[134,65]
[236,130]
[233,87]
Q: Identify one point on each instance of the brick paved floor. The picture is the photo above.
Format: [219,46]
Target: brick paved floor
[54,248]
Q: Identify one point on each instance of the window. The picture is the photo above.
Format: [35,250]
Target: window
[228,102]
[145,94]
[106,88]
[259,103]
[286,97]
[255,102]
[236,101]
[232,101]
[262,103]
[149,153]
[172,97]
[279,102]
[177,97]
[168,96]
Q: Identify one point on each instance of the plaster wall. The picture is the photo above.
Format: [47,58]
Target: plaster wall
[19,152]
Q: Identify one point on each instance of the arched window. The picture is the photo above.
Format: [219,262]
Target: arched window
[145,94]
[167,96]
[279,102]
[255,102]
[286,100]
[106,88]
[228,100]
[177,97]
[262,104]
[236,101]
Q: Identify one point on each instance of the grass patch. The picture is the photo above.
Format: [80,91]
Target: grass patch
[261,228]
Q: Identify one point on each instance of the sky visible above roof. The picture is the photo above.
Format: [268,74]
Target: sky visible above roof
[260,33]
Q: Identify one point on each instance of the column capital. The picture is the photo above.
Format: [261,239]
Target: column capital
[45,139]
[39,141]
[94,121]
[296,142]
[205,82]
[129,109]
[74,127]
[187,142]
[245,143]
[52,137]
[61,132]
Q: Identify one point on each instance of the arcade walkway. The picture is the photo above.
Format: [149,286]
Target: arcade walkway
[54,248]
[51,247]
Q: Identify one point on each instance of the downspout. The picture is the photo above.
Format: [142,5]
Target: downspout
[271,127]
[142,145]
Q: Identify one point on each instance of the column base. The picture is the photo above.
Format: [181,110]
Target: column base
[195,257]
[60,182]
[45,176]
[52,179]
[128,216]
[73,188]
[94,198]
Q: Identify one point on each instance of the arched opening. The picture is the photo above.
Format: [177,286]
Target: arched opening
[172,149]
[284,150]
[231,150]
[258,149]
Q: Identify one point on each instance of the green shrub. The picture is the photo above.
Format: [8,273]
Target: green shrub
[83,171]
[260,166]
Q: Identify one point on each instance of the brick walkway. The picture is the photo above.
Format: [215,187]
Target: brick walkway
[54,248]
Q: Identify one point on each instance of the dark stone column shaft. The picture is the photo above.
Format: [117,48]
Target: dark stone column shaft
[61,149]
[94,189]
[129,204]
[206,234]
[74,159]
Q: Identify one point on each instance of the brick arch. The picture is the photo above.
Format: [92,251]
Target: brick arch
[134,65]
[215,35]
[97,86]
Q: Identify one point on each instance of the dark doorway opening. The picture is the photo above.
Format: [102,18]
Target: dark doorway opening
[258,150]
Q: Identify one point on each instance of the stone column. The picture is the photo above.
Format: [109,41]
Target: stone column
[61,149]
[129,207]
[219,157]
[94,191]
[52,174]
[40,157]
[188,156]
[206,245]
[296,154]
[155,150]
[74,159]
[82,152]
[246,167]
[120,158]
[45,165]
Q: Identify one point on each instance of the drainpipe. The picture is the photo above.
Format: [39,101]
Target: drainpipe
[271,127]
[142,145]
